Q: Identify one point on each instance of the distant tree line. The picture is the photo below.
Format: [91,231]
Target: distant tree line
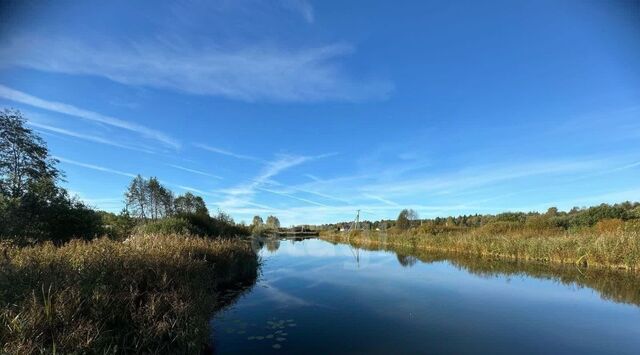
[576,218]
[33,207]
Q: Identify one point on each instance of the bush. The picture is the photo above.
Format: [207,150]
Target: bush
[171,225]
[592,215]
[47,213]
[193,224]
[118,227]
[496,228]
[609,225]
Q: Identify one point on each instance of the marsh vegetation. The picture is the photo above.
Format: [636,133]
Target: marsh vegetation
[602,236]
[150,294]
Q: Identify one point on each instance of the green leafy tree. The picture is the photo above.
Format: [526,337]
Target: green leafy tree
[256,222]
[137,198]
[149,199]
[406,219]
[190,204]
[402,222]
[273,222]
[160,199]
[24,157]
[32,207]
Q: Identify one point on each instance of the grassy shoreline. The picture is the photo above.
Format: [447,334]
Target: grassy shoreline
[616,249]
[149,294]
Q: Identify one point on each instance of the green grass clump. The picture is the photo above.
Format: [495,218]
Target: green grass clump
[149,294]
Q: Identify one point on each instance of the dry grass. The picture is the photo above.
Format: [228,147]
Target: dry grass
[609,244]
[150,294]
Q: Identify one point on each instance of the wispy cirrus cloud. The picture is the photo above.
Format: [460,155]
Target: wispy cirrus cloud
[87,137]
[95,167]
[226,152]
[70,110]
[292,196]
[241,195]
[303,7]
[195,171]
[253,72]
[383,200]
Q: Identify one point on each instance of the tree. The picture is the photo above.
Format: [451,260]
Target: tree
[24,157]
[191,204]
[413,216]
[406,218]
[148,199]
[160,199]
[257,222]
[137,198]
[403,222]
[552,211]
[32,207]
[273,222]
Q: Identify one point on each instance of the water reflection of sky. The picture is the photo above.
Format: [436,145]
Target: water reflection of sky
[343,300]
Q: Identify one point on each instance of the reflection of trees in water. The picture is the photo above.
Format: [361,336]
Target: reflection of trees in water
[406,260]
[273,244]
[614,285]
[258,242]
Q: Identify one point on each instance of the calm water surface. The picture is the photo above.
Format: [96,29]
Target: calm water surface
[316,297]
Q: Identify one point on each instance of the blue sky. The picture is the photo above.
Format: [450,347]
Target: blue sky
[310,110]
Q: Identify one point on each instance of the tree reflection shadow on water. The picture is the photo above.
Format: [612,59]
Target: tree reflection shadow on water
[615,285]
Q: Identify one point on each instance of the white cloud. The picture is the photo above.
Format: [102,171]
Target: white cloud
[249,73]
[24,98]
[302,7]
[226,152]
[95,167]
[292,196]
[482,176]
[179,167]
[241,195]
[87,137]
[378,198]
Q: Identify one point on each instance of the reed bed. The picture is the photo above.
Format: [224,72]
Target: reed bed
[149,294]
[594,247]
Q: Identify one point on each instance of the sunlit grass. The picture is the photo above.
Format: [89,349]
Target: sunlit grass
[605,245]
[149,294]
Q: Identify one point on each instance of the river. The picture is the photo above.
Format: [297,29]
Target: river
[314,297]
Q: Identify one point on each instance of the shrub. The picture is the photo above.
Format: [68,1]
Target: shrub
[609,225]
[171,225]
[497,228]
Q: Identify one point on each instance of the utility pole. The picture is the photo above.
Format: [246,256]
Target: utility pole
[356,223]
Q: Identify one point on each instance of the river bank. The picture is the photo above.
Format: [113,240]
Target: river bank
[149,294]
[616,249]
